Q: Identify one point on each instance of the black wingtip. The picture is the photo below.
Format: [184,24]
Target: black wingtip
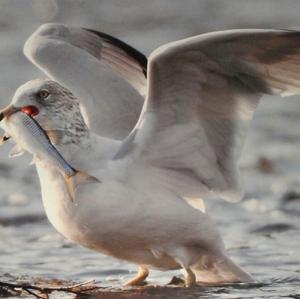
[138,56]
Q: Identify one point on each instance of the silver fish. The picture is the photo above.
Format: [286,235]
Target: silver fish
[30,136]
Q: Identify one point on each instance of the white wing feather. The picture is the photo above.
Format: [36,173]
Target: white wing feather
[107,75]
[202,94]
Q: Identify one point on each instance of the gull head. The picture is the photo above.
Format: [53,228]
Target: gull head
[55,108]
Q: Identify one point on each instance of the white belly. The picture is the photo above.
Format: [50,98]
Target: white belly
[75,222]
[117,221]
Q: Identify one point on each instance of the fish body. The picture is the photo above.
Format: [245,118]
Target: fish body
[31,137]
[47,148]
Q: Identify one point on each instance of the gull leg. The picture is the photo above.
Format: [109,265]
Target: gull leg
[139,278]
[189,277]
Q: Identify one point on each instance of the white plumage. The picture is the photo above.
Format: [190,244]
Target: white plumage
[201,94]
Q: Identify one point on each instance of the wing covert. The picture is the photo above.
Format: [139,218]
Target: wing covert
[202,94]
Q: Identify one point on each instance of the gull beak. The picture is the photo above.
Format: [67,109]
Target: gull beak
[6,112]
[4,138]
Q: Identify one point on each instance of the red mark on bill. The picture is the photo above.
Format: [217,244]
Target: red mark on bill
[30,110]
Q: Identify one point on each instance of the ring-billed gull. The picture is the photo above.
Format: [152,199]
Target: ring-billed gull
[201,94]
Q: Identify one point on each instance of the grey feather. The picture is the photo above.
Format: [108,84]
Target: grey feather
[203,92]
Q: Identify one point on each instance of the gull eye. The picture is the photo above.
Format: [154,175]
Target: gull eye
[43,94]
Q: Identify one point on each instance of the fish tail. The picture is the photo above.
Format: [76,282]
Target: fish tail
[79,178]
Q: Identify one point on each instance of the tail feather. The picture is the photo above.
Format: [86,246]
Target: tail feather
[220,270]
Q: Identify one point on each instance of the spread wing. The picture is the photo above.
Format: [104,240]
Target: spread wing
[106,74]
[202,94]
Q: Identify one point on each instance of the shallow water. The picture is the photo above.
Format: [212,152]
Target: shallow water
[261,232]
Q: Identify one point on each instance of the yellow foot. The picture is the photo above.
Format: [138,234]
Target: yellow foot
[190,278]
[140,278]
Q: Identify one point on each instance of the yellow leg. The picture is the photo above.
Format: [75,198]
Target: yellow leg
[139,278]
[190,278]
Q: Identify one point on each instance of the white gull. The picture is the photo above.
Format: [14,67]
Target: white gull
[201,94]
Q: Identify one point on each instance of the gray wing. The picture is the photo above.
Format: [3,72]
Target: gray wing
[202,94]
[106,74]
